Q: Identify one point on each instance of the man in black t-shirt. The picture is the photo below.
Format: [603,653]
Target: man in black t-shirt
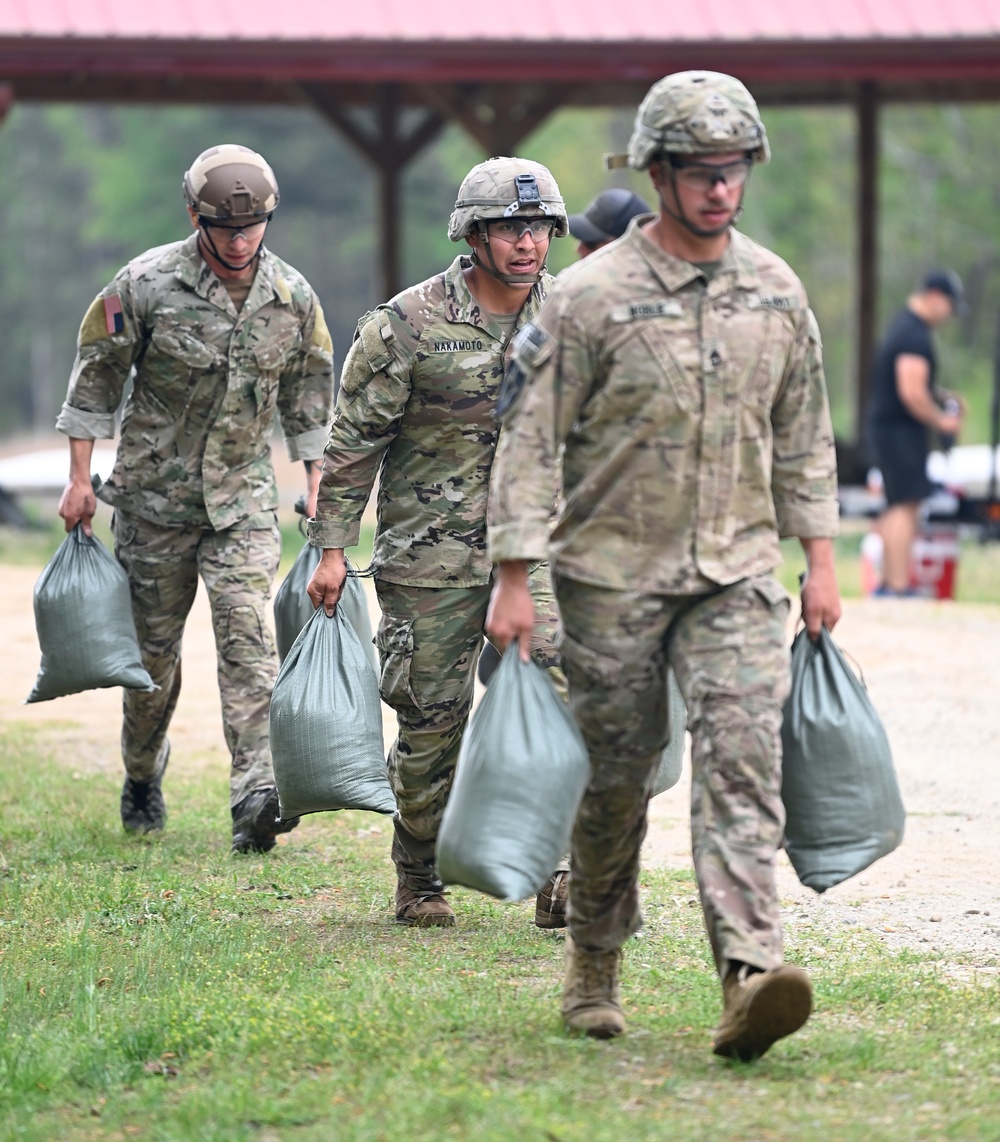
[905,405]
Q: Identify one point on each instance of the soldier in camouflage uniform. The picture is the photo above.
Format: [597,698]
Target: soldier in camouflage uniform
[416,407]
[680,369]
[217,333]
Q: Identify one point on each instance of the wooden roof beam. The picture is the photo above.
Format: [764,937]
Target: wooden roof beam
[497,116]
[384,142]
[388,145]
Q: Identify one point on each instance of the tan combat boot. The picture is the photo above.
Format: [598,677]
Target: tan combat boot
[550,903]
[422,909]
[420,898]
[760,1008]
[591,1001]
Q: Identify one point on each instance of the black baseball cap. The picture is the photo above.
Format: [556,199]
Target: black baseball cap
[607,217]
[948,283]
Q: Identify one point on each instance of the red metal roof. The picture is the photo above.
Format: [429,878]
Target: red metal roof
[264,50]
[567,21]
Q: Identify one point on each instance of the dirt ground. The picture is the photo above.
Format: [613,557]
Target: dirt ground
[931,668]
[932,671]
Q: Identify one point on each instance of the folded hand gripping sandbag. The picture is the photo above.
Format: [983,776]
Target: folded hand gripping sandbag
[668,772]
[293,608]
[83,616]
[841,797]
[326,724]
[522,771]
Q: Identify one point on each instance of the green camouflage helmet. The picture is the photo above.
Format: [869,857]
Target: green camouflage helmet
[695,113]
[231,183]
[503,187]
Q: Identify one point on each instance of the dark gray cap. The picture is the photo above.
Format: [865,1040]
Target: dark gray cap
[944,281]
[607,217]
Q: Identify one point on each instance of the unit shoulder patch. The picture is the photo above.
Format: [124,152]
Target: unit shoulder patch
[376,335]
[531,345]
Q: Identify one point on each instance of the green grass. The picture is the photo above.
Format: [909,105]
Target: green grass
[166,990]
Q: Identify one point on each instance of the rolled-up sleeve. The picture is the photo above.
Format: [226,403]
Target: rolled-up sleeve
[85,425]
[108,344]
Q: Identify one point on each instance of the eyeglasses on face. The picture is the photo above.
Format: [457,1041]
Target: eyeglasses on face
[704,176]
[229,233]
[513,229]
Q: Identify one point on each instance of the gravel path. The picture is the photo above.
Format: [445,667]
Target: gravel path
[933,670]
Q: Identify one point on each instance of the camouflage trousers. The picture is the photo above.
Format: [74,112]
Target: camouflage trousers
[729,652]
[237,568]
[429,640]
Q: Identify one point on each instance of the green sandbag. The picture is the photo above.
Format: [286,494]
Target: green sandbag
[293,608]
[326,724]
[83,616]
[522,771]
[668,773]
[354,604]
[841,797]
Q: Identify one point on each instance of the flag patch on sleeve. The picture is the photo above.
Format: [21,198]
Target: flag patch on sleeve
[113,320]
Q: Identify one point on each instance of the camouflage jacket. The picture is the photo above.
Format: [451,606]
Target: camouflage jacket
[416,404]
[694,417]
[195,433]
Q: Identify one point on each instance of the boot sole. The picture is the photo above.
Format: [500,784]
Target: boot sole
[440,921]
[779,1007]
[139,827]
[256,845]
[143,830]
[596,1024]
[549,920]
[259,843]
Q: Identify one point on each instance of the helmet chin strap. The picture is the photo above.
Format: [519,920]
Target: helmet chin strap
[700,231]
[205,236]
[507,279]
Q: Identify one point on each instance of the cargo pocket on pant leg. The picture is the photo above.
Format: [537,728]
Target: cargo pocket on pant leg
[772,592]
[620,707]
[394,641]
[245,643]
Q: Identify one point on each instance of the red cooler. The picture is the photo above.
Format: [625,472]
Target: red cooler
[934,562]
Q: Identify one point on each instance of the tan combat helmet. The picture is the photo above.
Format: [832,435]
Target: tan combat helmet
[695,113]
[230,183]
[507,188]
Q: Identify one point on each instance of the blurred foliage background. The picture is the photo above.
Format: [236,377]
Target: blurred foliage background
[83,188]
